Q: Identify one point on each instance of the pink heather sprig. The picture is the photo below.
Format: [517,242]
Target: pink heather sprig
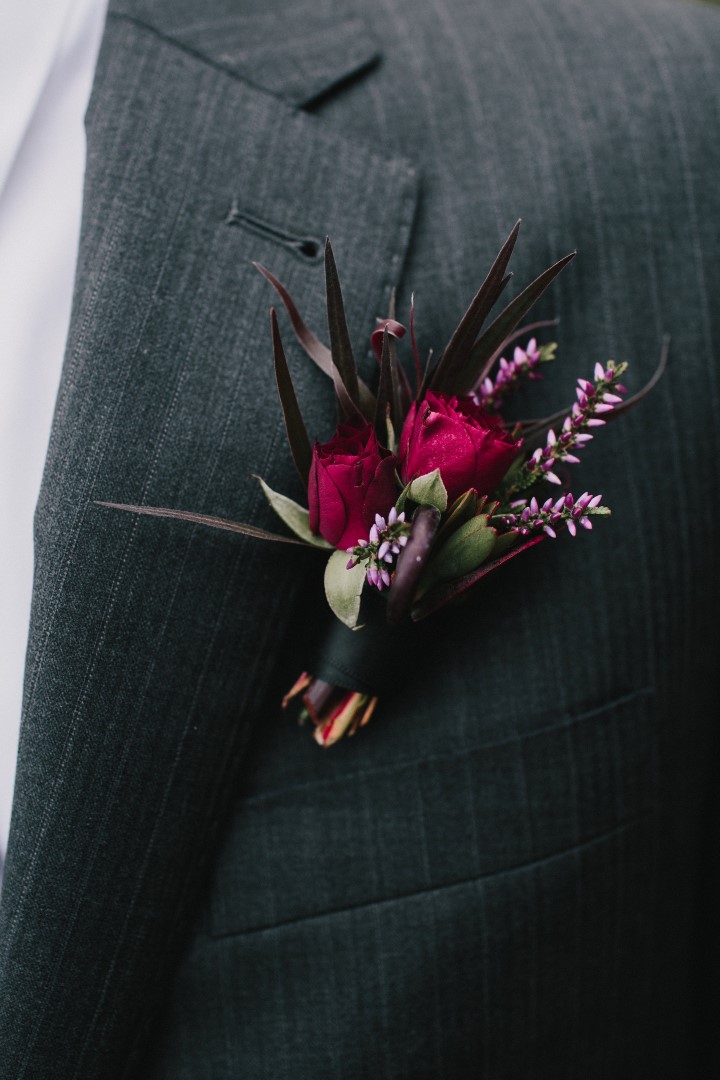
[524,364]
[594,401]
[567,512]
[381,549]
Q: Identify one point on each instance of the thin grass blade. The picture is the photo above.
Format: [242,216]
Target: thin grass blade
[203,519]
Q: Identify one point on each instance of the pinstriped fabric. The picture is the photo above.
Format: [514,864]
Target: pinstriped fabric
[508,874]
[153,401]
[567,967]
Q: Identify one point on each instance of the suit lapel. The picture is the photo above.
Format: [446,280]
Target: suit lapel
[150,641]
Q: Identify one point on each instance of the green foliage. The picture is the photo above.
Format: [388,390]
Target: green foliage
[503,543]
[428,490]
[296,517]
[343,588]
[467,548]
[463,509]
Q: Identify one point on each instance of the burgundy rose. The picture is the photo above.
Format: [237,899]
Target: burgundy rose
[454,435]
[351,479]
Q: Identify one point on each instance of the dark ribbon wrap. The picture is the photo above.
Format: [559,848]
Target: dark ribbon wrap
[371,660]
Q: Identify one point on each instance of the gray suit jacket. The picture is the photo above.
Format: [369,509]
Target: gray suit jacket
[510,873]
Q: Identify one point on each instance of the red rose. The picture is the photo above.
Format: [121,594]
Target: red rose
[351,479]
[454,435]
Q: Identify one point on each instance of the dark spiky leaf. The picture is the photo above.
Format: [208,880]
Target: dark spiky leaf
[342,353]
[349,410]
[416,352]
[483,352]
[427,376]
[319,353]
[395,392]
[448,377]
[312,345]
[203,519]
[401,393]
[297,435]
[384,392]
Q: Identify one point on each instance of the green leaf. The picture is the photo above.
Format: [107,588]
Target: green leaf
[516,468]
[295,516]
[429,490]
[466,549]
[343,588]
[294,425]
[402,497]
[504,542]
[463,509]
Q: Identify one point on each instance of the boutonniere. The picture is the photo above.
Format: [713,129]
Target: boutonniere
[425,487]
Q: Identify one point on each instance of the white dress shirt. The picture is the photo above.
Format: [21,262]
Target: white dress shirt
[48,50]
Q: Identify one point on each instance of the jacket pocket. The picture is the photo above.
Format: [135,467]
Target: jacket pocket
[426,824]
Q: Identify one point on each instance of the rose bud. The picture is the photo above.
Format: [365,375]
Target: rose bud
[470,448]
[352,477]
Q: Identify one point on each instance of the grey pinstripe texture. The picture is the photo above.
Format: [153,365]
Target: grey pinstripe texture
[512,872]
